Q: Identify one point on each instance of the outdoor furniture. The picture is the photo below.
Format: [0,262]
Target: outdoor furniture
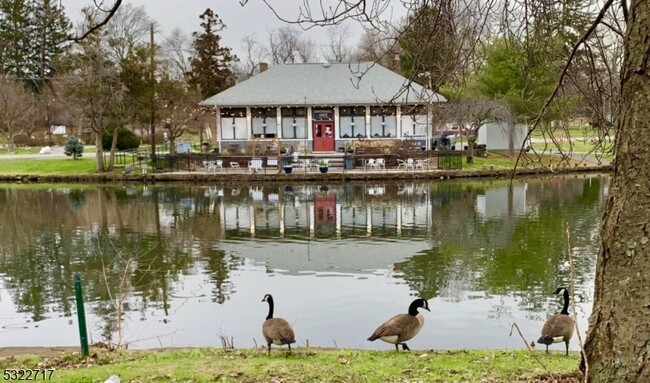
[370,163]
[255,164]
[272,162]
[218,164]
[410,163]
[422,164]
[234,165]
[380,163]
[308,164]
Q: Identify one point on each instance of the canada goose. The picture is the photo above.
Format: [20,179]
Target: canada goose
[558,328]
[276,330]
[400,328]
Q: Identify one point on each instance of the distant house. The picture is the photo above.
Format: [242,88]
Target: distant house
[58,129]
[497,135]
[323,106]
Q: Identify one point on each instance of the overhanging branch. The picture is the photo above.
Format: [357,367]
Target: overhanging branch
[94,28]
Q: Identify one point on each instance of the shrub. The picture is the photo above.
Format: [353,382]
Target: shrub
[73,147]
[126,139]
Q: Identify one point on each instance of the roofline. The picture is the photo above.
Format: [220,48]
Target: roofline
[322,104]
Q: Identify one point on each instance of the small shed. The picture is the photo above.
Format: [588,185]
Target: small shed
[497,135]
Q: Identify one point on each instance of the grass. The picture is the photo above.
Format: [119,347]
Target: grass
[22,150]
[53,166]
[303,365]
[578,146]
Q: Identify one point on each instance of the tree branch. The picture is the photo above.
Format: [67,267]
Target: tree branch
[565,70]
[94,28]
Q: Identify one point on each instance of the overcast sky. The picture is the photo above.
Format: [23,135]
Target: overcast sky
[240,21]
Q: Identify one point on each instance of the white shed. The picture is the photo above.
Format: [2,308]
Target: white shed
[495,135]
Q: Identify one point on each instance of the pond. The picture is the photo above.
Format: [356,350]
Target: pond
[189,265]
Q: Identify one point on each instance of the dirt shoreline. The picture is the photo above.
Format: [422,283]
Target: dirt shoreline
[335,176]
[41,352]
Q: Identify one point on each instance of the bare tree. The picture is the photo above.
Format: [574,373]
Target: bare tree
[287,46]
[475,114]
[95,89]
[16,107]
[375,45]
[180,112]
[176,54]
[248,65]
[92,25]
[127,28]
[337,49]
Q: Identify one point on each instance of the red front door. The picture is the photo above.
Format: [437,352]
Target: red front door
[323,136]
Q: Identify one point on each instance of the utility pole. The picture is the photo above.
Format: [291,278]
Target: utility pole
[152,128]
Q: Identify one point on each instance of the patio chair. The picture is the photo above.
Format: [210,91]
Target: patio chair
[255,165]
[380,163]
[234,165]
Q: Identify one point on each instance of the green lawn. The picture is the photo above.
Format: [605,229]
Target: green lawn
[580,146]
[48,166]
[305,365]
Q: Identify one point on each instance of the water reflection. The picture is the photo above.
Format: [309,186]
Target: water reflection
[186,263]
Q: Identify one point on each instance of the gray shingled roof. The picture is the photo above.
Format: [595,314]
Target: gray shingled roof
[323,84]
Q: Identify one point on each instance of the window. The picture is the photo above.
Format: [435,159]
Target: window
[233,124]
[352,121]
[294,123]
[383,122]
[414,120]
[263,122]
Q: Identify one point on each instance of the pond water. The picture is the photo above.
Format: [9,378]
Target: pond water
[190,264]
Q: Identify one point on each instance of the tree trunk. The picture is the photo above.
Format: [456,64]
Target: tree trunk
[471,140]
[111,157]
[99,154]
[618,344]
[172,145]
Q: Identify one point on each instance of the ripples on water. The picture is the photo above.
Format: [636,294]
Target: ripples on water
[339,260]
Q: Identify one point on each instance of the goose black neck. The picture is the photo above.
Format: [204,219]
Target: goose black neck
[270,301]
[413,308]
[565,309]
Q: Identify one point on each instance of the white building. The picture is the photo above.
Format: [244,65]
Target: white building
[323,107]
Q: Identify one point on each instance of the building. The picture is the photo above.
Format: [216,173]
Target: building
[322,107]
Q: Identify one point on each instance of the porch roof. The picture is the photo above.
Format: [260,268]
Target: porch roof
[324,84]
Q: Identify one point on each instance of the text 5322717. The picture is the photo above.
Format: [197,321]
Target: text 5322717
[11,374]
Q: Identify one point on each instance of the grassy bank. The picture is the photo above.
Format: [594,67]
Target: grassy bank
[304,365]
[48,166]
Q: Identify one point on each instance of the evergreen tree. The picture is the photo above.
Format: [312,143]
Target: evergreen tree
[16,29]
[73,148]
[429,47]
[211,64]
[33,34]
[50,31]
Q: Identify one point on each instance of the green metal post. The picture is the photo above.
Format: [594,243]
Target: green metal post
[81,315]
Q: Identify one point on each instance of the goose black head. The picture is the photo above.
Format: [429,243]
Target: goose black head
[416,304]
[424,304]
[267,297]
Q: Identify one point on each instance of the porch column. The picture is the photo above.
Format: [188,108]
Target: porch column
[249,124]
[336,122]
[310,135]
[367,121]
[217,127]
[278,122]
[398,123]
[429,125]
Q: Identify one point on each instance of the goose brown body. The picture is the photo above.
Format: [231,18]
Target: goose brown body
[276,330]
[403,327]
[558,328]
